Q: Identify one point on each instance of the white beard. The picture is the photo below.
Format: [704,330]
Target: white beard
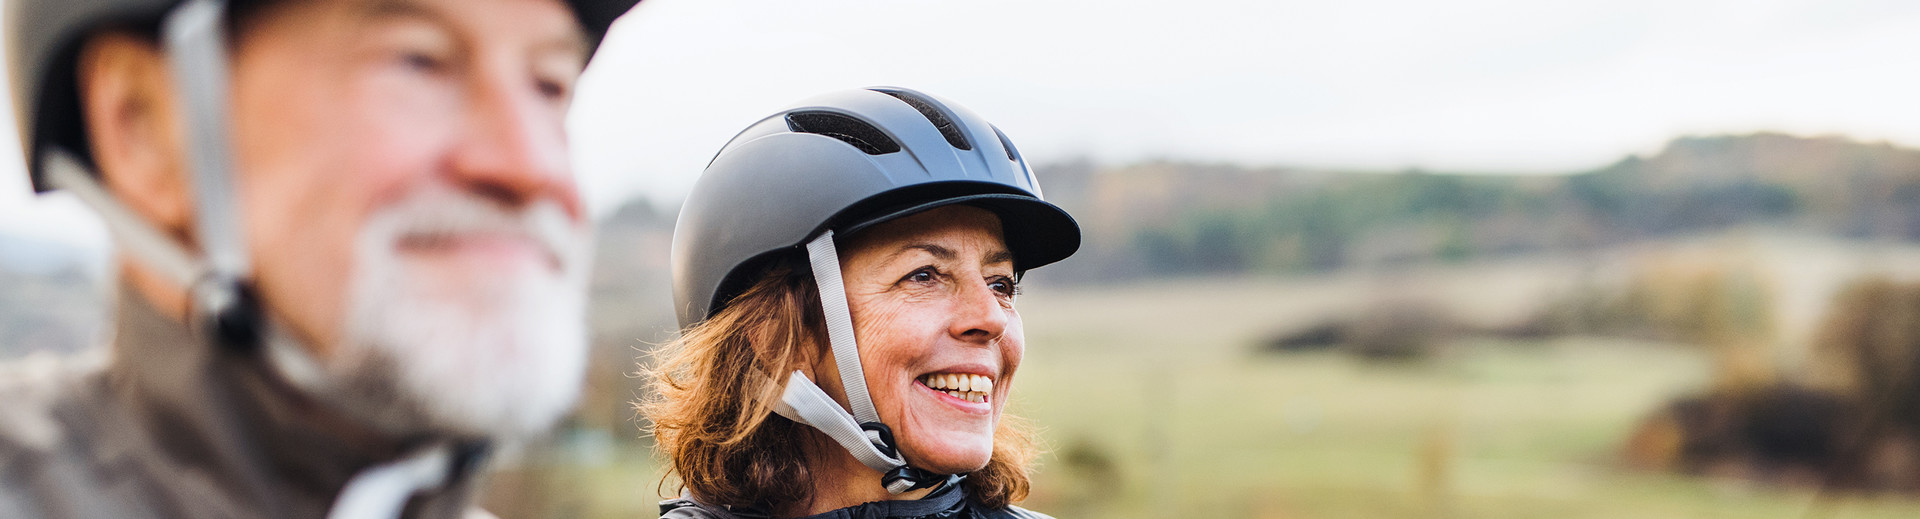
[501,356]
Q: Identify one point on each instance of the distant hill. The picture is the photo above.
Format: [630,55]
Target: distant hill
[1170,218]
[1839,185]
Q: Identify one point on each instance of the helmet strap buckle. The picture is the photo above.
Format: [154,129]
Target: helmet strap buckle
[905,478]
[882,438]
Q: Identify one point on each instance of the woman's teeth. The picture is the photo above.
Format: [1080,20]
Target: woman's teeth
[972,388]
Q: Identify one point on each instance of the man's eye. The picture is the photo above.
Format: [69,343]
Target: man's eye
[552,90]
[422,61]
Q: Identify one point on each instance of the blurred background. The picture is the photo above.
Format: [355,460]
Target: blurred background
[1381,258]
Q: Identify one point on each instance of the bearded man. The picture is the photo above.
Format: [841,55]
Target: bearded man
[352,255]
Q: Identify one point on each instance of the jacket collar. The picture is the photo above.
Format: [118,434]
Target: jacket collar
[949,498]
[223,417]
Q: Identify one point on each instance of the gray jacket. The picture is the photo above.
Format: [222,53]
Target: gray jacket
[164,426]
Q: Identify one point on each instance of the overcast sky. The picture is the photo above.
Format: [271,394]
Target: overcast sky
[1477,85]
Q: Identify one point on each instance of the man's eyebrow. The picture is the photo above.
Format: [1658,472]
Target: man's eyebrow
[377,9]
[1000,256]
[574,42]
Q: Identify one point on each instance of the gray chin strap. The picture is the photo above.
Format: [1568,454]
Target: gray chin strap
[381,492]
[860,432]
[223,309]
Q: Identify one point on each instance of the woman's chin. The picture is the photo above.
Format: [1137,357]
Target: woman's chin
[960,456]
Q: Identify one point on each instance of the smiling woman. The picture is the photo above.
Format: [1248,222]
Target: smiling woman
[845,272]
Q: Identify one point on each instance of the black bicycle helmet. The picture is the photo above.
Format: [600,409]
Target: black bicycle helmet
[845,161]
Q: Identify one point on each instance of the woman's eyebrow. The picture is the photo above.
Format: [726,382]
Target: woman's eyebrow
[942,253]
[938,252]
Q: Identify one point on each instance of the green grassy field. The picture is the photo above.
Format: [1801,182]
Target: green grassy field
[1154,404]
[1162,384]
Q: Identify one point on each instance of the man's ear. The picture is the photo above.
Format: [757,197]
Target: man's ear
[133,123]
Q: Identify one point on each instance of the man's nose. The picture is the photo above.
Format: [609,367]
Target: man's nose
[513,148]
[979,317]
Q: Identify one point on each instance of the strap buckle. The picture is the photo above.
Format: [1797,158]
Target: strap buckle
[882,438]
[905,478]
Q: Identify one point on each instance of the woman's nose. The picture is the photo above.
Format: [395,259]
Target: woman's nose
[978,316]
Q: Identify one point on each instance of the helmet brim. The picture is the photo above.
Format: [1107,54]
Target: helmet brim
[1036,231]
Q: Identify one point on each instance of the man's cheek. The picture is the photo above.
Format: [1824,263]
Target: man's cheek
[407,118]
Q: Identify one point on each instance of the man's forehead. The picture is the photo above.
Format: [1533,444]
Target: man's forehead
[456,13]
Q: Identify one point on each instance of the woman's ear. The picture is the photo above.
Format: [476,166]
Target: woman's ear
[807,360]
[134,126]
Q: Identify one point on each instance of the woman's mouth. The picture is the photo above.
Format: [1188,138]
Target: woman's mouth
[964,386]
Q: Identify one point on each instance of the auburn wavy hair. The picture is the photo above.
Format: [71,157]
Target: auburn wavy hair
[712,395]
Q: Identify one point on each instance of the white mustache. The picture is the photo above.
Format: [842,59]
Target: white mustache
[441,214]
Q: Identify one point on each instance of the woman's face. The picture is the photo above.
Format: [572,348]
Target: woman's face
[932,302]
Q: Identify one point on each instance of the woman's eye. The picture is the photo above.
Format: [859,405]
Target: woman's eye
[1004,287]
[921,276]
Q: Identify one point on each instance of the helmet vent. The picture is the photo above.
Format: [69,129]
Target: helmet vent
[1006,144]
[846,128]
[935,115]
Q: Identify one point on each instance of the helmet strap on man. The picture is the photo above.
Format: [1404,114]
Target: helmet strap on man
[860,432]
[196,49]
